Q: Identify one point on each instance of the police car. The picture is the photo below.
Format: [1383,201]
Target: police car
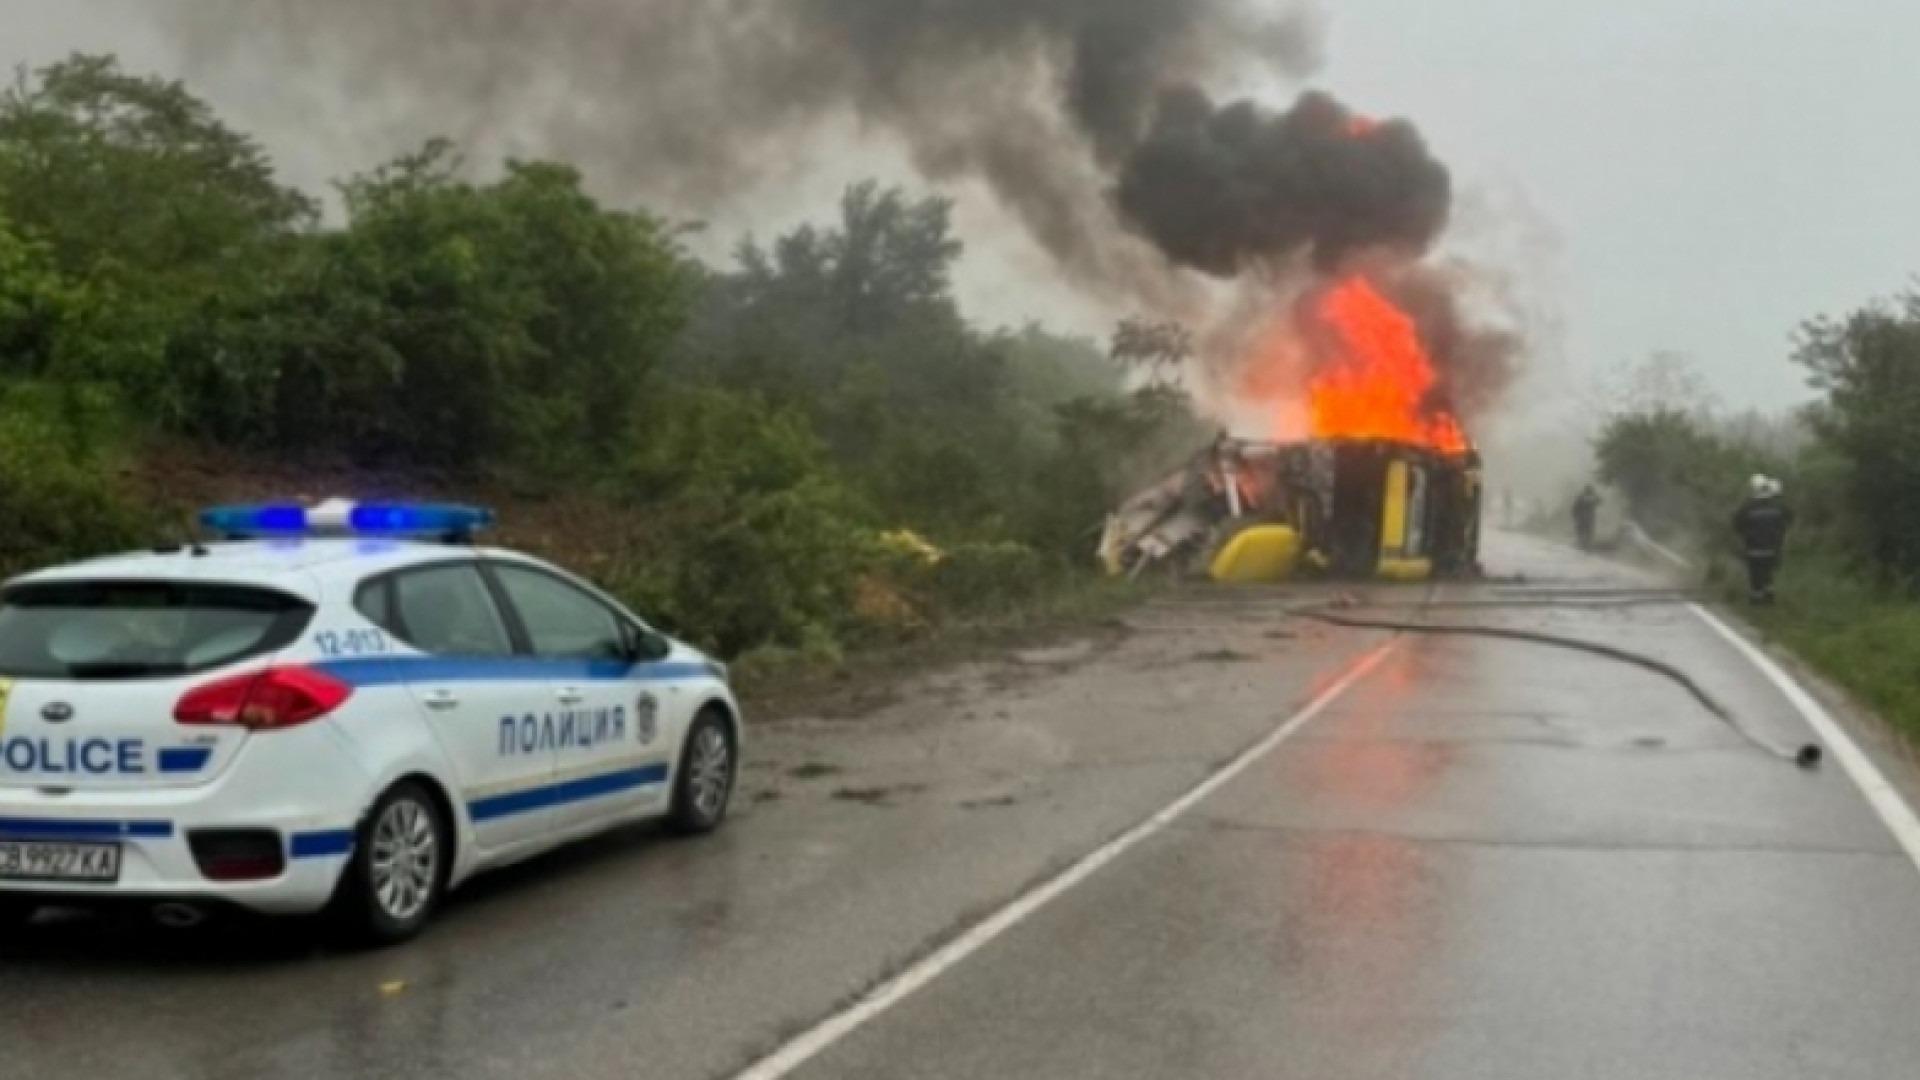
[345,707]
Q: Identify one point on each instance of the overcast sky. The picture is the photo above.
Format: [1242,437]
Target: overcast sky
[1715,170]
[1688,175]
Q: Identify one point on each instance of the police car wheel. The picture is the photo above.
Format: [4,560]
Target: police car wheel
[399,868]
[705,784]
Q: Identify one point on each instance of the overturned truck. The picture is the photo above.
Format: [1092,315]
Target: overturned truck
[1249,512]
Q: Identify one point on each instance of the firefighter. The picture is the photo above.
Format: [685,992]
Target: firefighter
[1585,509]
[1762,523]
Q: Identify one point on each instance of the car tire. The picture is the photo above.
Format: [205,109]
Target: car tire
[704,785]
[399,870]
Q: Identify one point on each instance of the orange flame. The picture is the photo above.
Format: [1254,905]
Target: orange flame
[1376,380]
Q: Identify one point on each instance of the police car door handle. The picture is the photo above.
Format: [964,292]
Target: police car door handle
[570,696]
[441,700]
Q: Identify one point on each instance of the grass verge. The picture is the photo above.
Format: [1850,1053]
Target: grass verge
[1864,638]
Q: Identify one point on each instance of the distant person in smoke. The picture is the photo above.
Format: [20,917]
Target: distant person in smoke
[1762,523]
[1586,509]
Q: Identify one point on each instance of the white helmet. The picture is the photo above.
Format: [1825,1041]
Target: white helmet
[1759,486]
[1774,488]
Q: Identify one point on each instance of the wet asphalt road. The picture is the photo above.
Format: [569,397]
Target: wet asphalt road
[1486,860]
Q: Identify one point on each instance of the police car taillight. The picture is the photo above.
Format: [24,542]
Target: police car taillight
[278,697]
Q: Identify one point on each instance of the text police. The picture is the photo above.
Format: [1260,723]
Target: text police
[90,757]
[581,729]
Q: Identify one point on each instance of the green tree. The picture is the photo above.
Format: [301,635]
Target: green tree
[975,438]
[856,324]
[400,338]
[611,292]
[763,540]
[1047,370]
[1868,366]
[36,304]
[147,205]
[451,324]
[1680,473]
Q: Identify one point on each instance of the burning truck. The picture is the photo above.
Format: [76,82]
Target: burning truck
[1376,479]
[1251,512]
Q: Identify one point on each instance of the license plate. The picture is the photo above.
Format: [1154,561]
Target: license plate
[22,860]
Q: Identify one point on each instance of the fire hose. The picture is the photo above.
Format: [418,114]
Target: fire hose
[1807,756]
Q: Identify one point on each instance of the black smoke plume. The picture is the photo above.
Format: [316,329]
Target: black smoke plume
[1225,189]
[1086,119]
[691,101]
[1476,363]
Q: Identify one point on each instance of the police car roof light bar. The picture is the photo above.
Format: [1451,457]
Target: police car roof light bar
[340,517]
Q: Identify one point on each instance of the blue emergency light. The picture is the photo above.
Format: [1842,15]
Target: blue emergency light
[340,517]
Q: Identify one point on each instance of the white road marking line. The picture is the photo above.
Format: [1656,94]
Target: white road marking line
[1881,795]
[811,1043]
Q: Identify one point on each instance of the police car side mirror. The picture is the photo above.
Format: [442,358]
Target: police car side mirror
[646,647]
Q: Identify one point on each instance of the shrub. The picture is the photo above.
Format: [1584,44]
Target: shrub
[767,542]
[58,506]
[776,569]
[1868,365]
[982,578]
[1680,476]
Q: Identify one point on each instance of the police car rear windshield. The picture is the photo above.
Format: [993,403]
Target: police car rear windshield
[140,630]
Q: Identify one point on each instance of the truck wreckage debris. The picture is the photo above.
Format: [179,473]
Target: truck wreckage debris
[1249,512]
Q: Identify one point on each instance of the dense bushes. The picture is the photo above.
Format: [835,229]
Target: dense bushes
[1868,364]
[58,497]
[985,577]
[747,434]
[1679,472]
[1855,485]
[147,210]
[449,324]
[759,539]
[1847,600]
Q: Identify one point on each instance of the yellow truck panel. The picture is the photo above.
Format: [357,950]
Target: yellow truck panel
[1261,555]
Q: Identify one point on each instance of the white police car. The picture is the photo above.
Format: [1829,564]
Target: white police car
[343,705]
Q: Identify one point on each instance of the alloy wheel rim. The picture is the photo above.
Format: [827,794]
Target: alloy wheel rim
[405,863]
[711,772]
